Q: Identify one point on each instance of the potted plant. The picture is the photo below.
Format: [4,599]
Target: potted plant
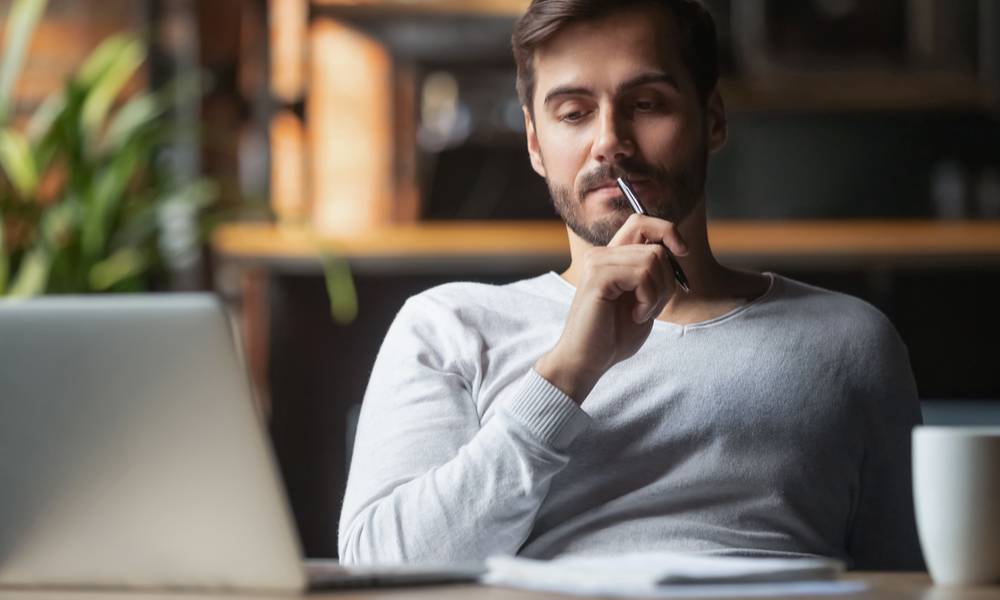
[82,198]
[84,205]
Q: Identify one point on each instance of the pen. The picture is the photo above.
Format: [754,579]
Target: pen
[638,207]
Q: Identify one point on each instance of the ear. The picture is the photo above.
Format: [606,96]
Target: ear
[718,126]
[534,151]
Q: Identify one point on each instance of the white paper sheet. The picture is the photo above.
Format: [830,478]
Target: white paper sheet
[672,575]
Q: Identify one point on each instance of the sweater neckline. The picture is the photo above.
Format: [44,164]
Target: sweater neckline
[773,279]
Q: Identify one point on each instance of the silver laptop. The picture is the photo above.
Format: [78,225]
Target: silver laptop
[131,455]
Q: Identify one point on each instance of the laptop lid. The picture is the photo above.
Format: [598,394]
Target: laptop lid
[131,453]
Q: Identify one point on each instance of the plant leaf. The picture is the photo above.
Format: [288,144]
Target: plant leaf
[340,288]
[58,229]
[109,83]
[125,263]
[45,131]
[46,115]
[59,223]
[21,23]
[130,118]
[17,161]
[4,259]
[33,274]
[201,193]
[137,226]
[100,60]
[142,110]
[104,201]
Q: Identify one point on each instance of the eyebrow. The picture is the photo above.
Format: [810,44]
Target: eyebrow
[641,80]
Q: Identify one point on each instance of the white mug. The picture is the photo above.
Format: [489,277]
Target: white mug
[956,493]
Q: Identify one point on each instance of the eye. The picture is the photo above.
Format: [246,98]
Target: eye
[573,116]
[646,105]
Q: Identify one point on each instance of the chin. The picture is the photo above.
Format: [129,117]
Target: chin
[608,217]
[600,232]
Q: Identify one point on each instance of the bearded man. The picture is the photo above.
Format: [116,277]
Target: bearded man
[606,409]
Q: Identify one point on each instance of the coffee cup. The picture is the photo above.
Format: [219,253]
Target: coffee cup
[956,492]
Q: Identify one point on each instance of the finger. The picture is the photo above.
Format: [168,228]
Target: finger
[650,256]
[611,282]
[650,259]
[650,296]
[640,229]
[655,312]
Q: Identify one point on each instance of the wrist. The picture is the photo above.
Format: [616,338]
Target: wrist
[572,380]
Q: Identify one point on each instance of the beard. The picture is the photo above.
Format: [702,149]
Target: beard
[683,188]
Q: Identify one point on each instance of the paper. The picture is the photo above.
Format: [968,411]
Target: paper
[672,575]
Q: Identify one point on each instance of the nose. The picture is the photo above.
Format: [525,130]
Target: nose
[614,138]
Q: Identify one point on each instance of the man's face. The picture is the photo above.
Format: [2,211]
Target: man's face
[613,98]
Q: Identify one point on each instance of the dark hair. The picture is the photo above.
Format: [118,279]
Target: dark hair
[545,18]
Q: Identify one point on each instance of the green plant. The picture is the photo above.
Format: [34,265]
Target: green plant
[82,200]
[81,195]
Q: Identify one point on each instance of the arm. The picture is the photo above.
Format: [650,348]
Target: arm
[430,483]
[884,535]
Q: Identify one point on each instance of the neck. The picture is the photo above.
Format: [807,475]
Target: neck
[714,287]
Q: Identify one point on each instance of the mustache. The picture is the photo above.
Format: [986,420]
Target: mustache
[604,173]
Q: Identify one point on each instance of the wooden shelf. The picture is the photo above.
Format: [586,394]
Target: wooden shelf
[443,239]
[869,239]
[499,245]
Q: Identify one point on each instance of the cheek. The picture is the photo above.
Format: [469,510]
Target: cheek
[670,131]
[564,151]
[671,140]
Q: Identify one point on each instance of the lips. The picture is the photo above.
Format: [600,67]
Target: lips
[614,185]
[604,186]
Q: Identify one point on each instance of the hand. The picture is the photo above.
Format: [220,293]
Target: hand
[623,287]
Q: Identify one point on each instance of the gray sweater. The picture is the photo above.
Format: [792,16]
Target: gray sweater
[779,429]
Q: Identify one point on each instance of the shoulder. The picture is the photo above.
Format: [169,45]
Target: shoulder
[478,310]
[469,300]
[834,311]
[842,321]
[854,335]
[457,321]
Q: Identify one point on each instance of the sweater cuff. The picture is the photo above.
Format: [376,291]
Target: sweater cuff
[546,412]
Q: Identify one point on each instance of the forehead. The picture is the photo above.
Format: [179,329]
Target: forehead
[610,49]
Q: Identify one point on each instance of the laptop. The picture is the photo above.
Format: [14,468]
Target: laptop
[132,455]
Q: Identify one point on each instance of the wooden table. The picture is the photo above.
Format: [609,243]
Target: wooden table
[894,586]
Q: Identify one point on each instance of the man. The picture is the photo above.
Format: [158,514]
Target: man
[605,409]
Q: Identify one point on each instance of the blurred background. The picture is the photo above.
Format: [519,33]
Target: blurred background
[317,162]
